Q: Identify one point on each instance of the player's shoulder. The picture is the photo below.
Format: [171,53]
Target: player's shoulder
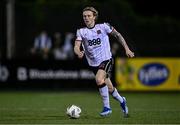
[104,24]
[107,24]
[101,24]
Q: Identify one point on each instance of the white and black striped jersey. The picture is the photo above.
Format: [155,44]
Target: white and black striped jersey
[95,42]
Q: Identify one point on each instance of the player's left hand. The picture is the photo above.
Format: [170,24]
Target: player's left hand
[80,54]
[129,53]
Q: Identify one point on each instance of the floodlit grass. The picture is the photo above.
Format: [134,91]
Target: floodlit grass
[32,107]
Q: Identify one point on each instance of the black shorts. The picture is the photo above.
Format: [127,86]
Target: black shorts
[106,65]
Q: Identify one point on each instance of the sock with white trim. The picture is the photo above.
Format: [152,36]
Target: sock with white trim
[117,96]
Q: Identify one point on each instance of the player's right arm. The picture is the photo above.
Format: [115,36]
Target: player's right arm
[77,49]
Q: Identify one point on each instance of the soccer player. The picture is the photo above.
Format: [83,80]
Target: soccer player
[96,47]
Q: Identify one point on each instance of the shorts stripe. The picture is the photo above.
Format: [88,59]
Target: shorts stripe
[107,66]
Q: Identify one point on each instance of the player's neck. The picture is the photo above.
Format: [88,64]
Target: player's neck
[90,26]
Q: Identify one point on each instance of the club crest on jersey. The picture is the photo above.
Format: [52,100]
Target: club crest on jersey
[98,31]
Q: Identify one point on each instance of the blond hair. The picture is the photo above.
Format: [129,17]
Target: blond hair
[92,9]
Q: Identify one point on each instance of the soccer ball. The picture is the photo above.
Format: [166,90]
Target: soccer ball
[73,111]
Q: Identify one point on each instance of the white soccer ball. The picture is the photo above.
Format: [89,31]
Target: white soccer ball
[73,111]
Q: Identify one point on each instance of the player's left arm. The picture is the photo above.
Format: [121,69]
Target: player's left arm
[120,39]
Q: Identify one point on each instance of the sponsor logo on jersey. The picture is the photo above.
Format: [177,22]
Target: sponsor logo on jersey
[153,74]
[94,42]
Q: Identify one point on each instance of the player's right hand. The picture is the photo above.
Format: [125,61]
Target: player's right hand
[81,54]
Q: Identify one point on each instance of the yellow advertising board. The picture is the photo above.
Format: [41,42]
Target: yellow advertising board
[148,74]
[178,71]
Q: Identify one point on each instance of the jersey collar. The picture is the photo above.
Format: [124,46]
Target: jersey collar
[91,27]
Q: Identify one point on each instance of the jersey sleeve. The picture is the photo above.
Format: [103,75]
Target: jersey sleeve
[108,28]
[78,35]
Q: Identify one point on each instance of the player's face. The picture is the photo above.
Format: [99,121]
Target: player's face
[89,18]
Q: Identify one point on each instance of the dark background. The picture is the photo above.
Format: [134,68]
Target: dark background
[154,7]
[150,27]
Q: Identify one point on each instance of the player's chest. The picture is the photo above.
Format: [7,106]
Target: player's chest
[93,38]
[93,34]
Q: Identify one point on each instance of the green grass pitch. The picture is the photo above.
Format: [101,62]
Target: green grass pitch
[32,107]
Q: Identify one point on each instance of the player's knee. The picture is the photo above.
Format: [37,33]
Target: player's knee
[99,81]
[111,89]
